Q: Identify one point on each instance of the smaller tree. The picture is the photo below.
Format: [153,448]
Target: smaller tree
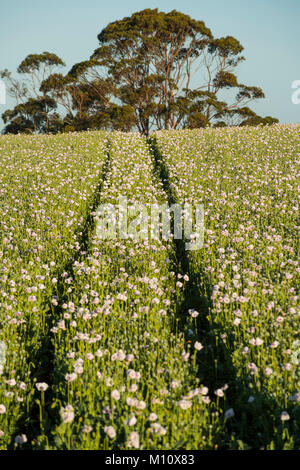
[33,116]
[35,111]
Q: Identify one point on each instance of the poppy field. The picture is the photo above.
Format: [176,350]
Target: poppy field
[138,343]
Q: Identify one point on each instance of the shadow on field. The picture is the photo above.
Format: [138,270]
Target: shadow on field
[41,356]
[255,425]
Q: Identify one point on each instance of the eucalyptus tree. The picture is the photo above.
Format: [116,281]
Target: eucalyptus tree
[171,71]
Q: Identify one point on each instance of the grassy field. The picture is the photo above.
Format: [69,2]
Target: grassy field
[139,343]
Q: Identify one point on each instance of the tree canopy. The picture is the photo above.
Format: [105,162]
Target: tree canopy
[152,70]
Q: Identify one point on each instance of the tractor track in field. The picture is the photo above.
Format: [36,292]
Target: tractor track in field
[212,373]
[195,295]
[215,366]
[44,358]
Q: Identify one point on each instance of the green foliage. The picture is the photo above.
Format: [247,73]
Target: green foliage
[36,115]
[33,62]
[140,78]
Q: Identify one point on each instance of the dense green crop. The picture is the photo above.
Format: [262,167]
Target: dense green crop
[138,343]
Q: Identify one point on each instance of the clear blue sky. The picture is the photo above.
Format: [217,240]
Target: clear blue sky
[269,30]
